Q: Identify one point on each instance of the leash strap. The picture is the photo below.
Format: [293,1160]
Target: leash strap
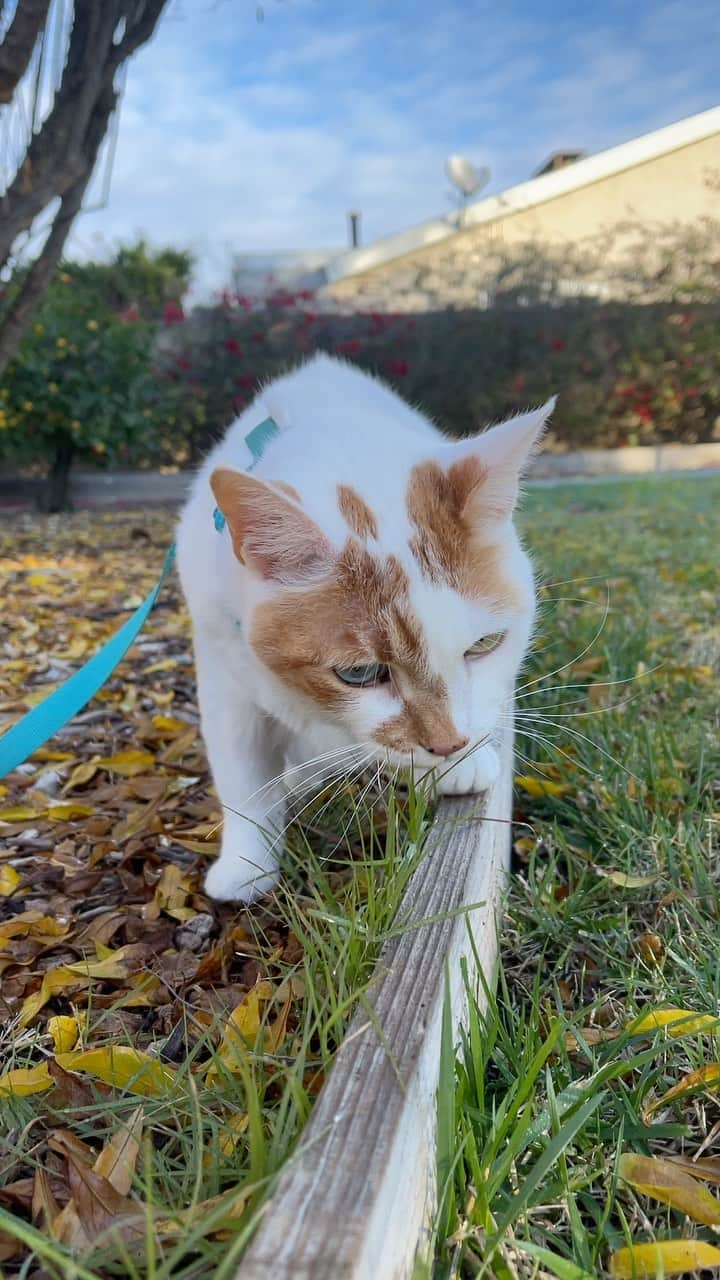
[63,703]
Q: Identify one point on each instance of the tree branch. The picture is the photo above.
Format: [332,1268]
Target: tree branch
[40,273]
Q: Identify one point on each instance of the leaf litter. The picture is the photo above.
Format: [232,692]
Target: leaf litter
[121,983]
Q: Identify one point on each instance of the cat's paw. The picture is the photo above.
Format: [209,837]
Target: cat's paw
[245,870]
[475,772]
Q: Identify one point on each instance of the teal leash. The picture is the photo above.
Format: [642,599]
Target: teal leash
[35,728]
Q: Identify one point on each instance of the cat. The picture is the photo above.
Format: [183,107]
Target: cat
[362,598]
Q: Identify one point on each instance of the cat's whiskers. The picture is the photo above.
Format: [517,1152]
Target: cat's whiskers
[345,777]
[586,684]
[549,674]
[322,758]
[333,770]
[537,712]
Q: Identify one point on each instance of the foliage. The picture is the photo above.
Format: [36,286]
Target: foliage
[626,373]
[81,384]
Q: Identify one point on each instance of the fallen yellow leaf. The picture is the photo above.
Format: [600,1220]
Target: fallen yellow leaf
[60,979]
[20,813]
[9,880]
[32,924]
[25,1080]
[81,774]
[68,810]
[64,1030]
[540,786]
[671,1185]
[667,1257]
[123,1067]
[241,1029]
[128,763]
[678,1022]
[113,965]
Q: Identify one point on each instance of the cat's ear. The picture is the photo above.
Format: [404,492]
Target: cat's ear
[486,470]
[270,532]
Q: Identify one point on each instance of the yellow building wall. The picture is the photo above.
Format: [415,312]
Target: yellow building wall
[677,189]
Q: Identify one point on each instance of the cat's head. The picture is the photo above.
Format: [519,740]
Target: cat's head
[406,629]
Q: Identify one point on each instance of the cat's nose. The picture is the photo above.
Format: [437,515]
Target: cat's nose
[446,747]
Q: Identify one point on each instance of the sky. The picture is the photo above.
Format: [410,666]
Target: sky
[249,128]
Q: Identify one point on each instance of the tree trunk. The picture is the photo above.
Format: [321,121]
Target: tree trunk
[57,488]
[20,38]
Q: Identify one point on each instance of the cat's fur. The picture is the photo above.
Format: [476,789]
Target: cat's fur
[363,534]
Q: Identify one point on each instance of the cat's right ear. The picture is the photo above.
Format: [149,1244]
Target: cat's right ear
[270,532]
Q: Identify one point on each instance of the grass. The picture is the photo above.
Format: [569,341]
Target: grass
[542,1096]
[613,910]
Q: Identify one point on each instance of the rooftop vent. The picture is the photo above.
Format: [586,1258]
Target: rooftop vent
[559,160]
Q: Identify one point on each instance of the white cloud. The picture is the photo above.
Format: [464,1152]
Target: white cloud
[237,136]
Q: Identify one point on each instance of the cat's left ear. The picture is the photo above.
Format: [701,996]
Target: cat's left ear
[487,468]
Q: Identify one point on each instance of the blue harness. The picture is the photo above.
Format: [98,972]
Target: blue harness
[34,729]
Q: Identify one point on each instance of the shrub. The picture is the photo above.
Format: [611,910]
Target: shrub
[626,373]
[82,385]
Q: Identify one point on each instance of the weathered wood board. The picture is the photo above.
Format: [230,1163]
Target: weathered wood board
[356,1200]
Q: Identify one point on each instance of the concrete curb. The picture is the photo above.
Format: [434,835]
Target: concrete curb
[144,488]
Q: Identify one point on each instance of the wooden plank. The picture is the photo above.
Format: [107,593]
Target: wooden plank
[355,1201]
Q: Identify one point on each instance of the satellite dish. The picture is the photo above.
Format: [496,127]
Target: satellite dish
[463,175]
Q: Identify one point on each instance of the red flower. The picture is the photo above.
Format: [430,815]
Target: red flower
[643,413]
[399,368]
[558,344]
[173,313]
[232,344]
[183,362]
[130,314]
[245,380]
[258,337]
[350,347]
[242,301]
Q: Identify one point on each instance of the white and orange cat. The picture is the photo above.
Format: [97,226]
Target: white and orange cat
[367,601]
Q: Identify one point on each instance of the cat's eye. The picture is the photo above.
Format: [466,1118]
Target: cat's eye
[486,644]
[368,673]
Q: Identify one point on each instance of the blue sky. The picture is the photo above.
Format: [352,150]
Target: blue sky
[238,134]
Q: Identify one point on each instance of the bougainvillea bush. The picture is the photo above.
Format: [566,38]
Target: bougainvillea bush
[625,373]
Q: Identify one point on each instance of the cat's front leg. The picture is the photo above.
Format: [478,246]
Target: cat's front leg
[475,772]
[246,758]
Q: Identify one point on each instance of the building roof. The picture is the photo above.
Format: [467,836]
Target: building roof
[525,195]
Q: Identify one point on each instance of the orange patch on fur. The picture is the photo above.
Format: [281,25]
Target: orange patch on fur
[269,532]
[443,506]
[361,612]
[359,516]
